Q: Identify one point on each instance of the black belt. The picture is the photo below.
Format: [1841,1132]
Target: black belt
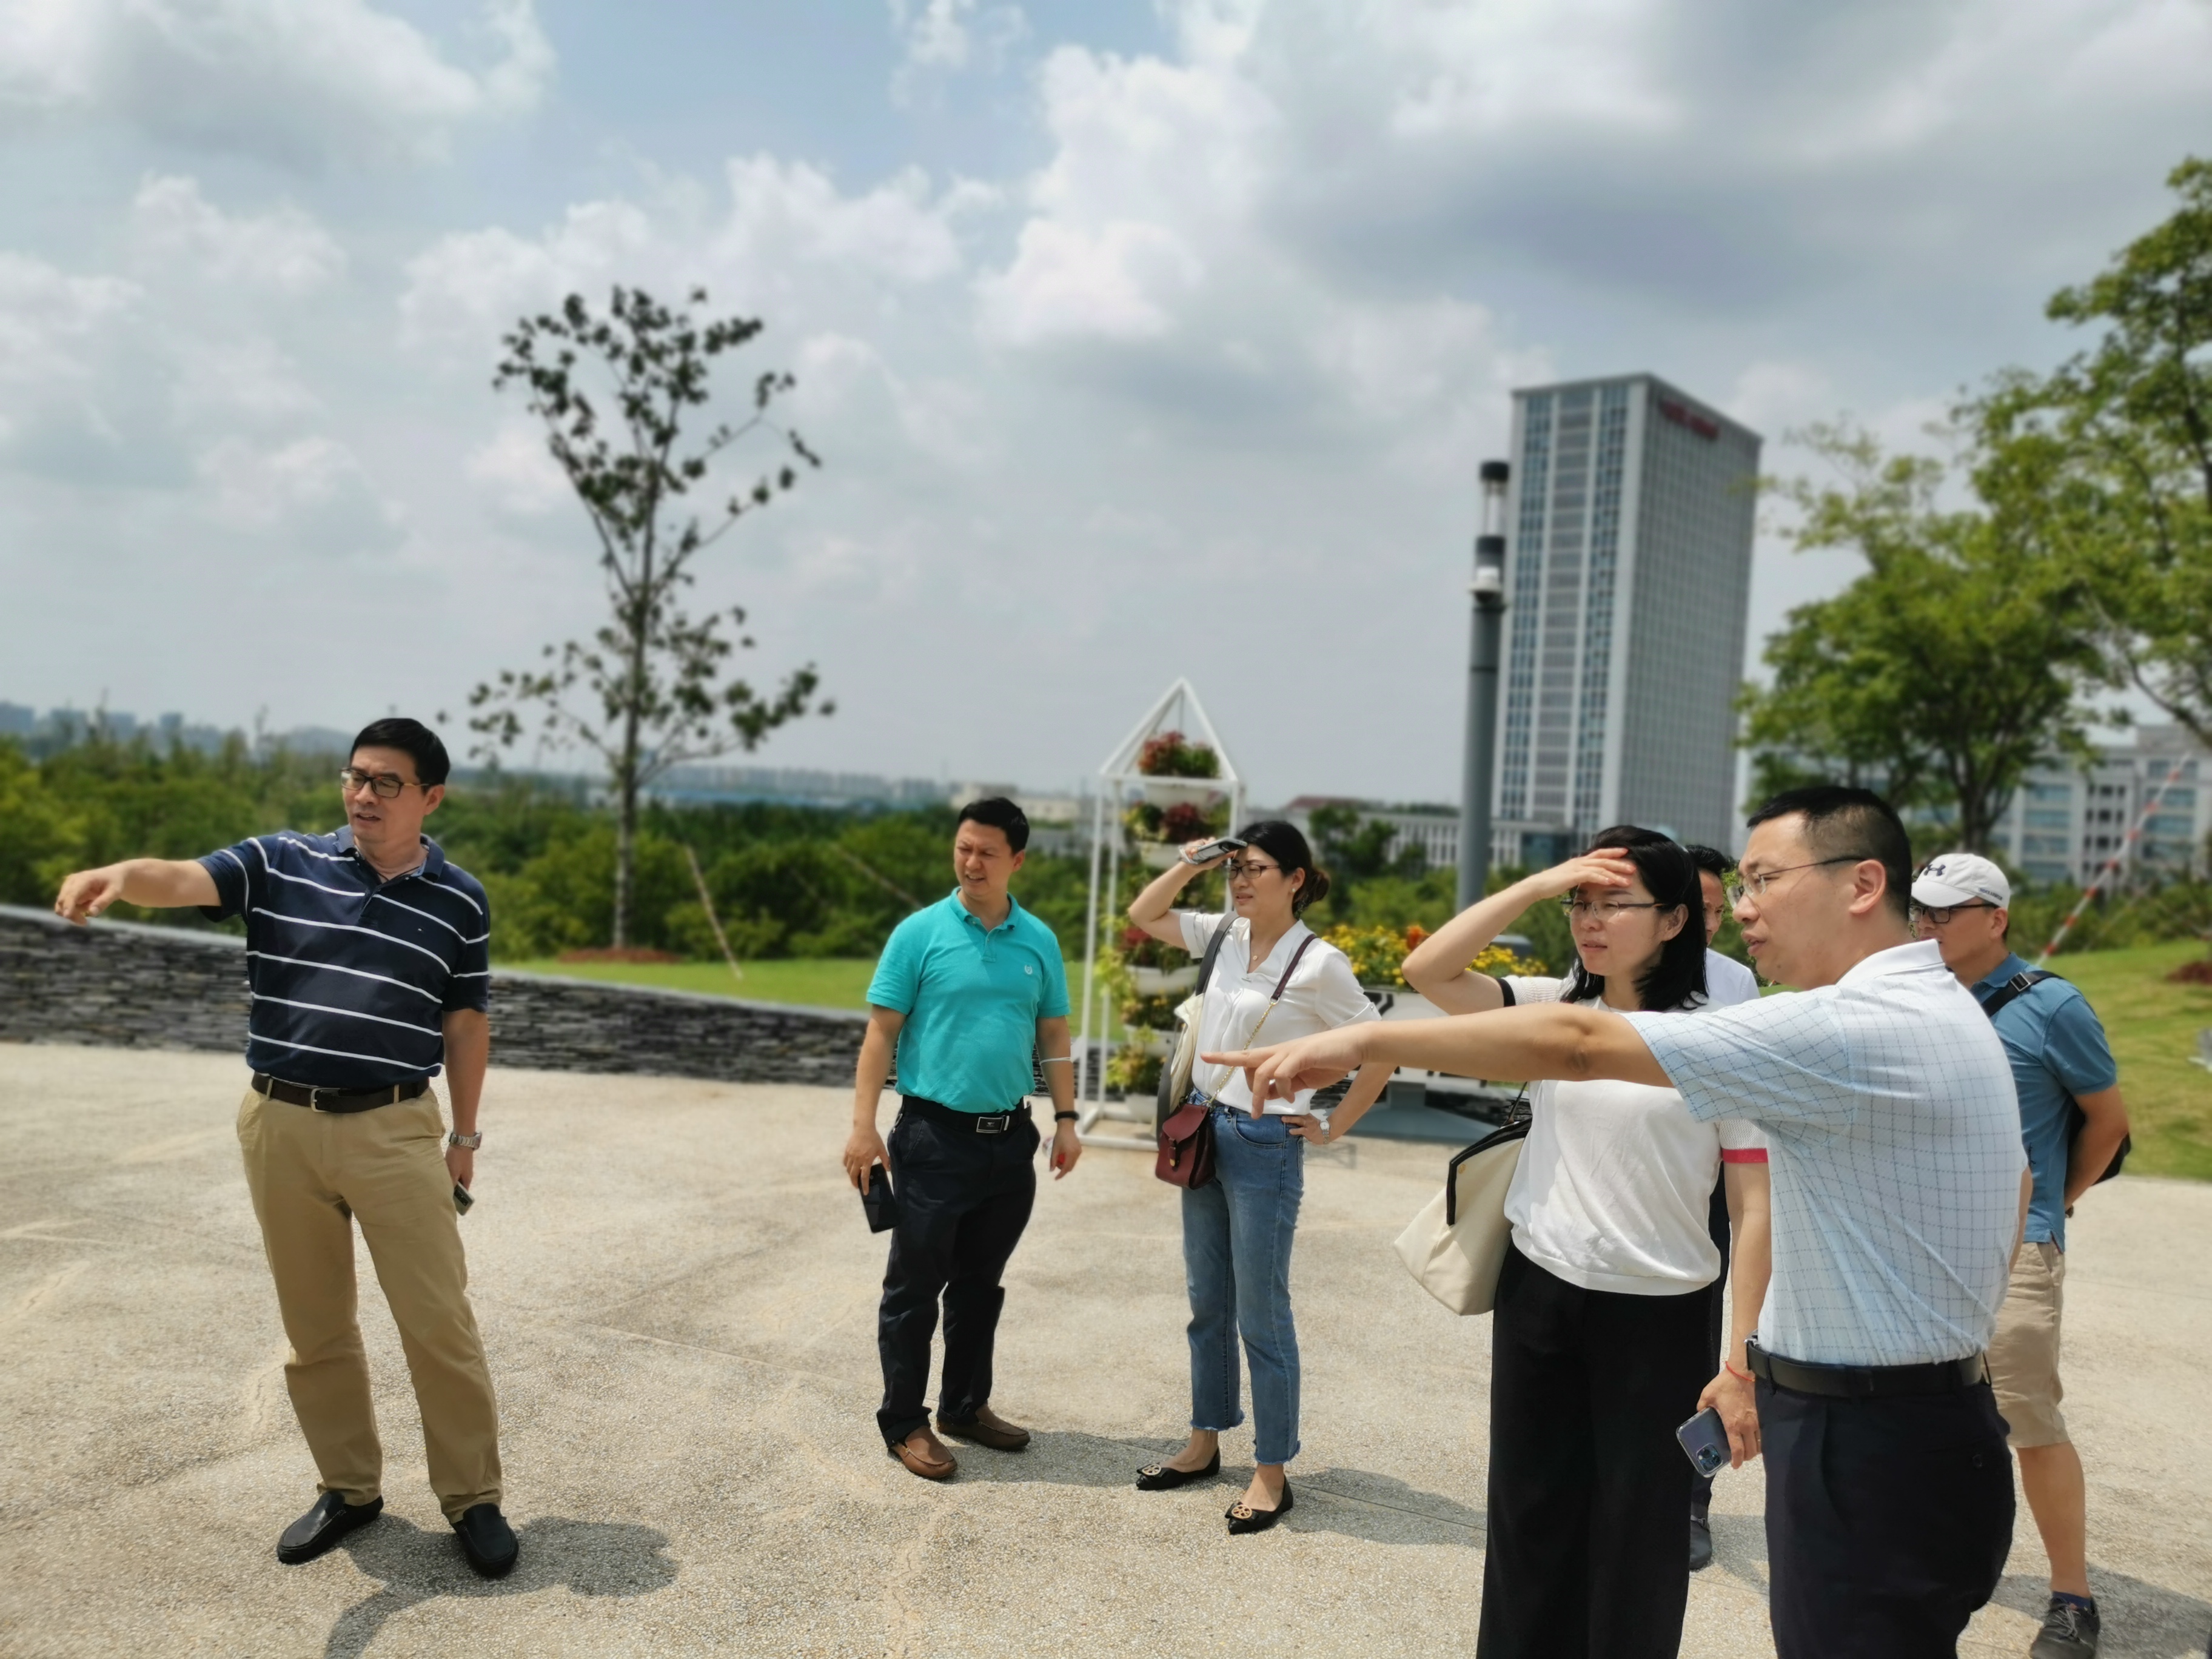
[983,1123]
[1867,1382]
[339,1100]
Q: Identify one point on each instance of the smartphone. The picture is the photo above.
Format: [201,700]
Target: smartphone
[1214,849]
[461,1198]
[878,1199]
[1705,1442]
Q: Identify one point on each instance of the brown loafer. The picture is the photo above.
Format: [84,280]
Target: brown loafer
[987,1428]
[924,1454]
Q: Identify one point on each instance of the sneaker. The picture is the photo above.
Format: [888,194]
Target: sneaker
[2068,1632]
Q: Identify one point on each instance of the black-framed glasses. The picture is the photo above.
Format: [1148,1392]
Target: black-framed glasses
[1240,868]
[386,786]
[1755,886]
[1941,914]
[1575,907]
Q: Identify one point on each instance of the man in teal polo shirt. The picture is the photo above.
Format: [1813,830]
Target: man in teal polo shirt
[967,991]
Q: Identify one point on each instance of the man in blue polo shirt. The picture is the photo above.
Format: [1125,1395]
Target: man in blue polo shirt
[2059,1053]
[967,991]
[367,953]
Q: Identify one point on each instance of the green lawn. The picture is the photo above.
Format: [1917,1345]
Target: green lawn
[2154,1026]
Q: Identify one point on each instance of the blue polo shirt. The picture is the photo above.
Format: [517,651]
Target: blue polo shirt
[2056,1047]
[972,1000]
[352,975]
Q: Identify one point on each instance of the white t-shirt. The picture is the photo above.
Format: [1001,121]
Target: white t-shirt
[1323,994]
[1727,981]
[1614,1187]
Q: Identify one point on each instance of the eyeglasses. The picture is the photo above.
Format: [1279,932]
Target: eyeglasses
[1941,914]
[1576,909]
[1755,886]
[1239,869]
[386,786]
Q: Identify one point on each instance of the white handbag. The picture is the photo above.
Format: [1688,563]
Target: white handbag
[1457,1245]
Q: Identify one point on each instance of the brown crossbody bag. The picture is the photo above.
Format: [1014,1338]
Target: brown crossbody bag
[1186,1154]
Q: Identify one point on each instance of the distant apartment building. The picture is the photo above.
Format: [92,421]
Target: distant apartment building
[1629,523]
[1433,832]
[690,786]
[2065,825]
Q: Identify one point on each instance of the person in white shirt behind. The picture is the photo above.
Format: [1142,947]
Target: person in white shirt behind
[1599,1346]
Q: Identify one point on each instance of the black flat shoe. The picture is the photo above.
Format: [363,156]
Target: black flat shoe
[1701,1541]
[1158,1477]
[487,1540]
[1242,1517]
[321,1527]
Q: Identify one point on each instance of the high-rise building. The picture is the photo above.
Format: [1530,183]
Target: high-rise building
[1629,526]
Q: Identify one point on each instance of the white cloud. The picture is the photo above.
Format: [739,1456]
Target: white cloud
[313,491]
[895,230]
[944,37]
[523,478]
[285,250]
[303,82]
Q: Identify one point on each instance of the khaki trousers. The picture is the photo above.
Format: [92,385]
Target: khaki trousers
[312,1175]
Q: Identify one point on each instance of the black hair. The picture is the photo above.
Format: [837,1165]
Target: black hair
[1843,822]
[1711,859]
[1286,843]
[997,813]
[1677,979]
[413,739]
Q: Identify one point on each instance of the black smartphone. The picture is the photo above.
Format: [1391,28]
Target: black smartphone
[461,1198]
[878,1200]
[1214,849]
[1705,1442]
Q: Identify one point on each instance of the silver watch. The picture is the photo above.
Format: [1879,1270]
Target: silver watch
[466,1143]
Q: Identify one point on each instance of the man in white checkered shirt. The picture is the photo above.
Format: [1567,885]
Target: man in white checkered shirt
[1899,1189]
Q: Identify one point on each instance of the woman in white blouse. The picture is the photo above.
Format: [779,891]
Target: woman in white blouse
[1237,1229]
[1600,1347]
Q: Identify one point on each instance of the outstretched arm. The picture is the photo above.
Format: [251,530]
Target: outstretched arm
[158,884]
[1552,1039]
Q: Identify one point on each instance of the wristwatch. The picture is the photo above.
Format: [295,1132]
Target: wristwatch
[466,1143]
[1065,1117]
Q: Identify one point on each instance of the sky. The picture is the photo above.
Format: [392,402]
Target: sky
[1137,340]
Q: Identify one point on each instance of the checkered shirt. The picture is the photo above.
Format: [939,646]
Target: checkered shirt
[1893,1134]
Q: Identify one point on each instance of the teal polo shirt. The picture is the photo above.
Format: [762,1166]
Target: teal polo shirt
[972,1000]
[2058,1049]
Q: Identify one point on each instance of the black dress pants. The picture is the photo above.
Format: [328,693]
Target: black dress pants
[1887,1520]
[963,1198]
[1717,1223]
[1589,1492]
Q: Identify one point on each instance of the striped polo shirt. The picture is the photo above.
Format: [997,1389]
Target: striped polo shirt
[352,975]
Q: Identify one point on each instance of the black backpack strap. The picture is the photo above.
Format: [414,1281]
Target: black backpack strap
[2018,985]
[1213,950]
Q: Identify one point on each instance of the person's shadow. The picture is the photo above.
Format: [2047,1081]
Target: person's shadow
[592,1558]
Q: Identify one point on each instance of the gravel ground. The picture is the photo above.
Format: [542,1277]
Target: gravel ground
[678,1293]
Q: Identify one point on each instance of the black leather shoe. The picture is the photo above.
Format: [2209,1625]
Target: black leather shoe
[1158,1477]
[1701,1541]
[487,1540]
[1242,1517]
[321,1527]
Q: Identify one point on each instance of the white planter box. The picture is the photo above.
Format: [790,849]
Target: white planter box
[1181,792]
[1159,854]
[1158,982]
[1143,1040]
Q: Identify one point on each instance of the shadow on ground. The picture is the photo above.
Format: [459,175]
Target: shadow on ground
[2142,1620]
[1352,1501]
[591,1558]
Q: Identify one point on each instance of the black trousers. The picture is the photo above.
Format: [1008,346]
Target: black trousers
[1717,1222]
[1887,1520]
[1589,1492]
[963,1198]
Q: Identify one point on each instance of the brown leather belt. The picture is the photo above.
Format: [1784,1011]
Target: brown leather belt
[337,1100]
[1867,1382]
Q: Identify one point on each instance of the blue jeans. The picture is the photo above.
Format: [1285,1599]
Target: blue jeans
[1237,1233]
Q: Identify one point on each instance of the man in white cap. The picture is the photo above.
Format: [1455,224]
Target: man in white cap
[2059,1054]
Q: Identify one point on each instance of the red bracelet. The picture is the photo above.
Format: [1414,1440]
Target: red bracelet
[1742,1376]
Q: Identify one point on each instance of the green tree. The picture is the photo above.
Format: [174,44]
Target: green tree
[1946,671]
[648,691]
[2114,450]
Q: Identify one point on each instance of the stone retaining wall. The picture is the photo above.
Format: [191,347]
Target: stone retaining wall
[124,985]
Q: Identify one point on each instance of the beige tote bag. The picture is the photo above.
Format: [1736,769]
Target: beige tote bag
[1457,1245]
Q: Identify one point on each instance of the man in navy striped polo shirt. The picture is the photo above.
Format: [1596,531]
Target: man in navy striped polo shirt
[368,956]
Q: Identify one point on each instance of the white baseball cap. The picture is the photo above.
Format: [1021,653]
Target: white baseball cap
[1961,878]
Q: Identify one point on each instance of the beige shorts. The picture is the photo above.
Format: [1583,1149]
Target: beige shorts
[2024,1356]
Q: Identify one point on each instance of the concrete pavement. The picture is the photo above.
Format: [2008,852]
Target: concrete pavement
[678,1293]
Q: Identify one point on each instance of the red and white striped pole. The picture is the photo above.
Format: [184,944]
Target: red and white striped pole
[2112,864]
